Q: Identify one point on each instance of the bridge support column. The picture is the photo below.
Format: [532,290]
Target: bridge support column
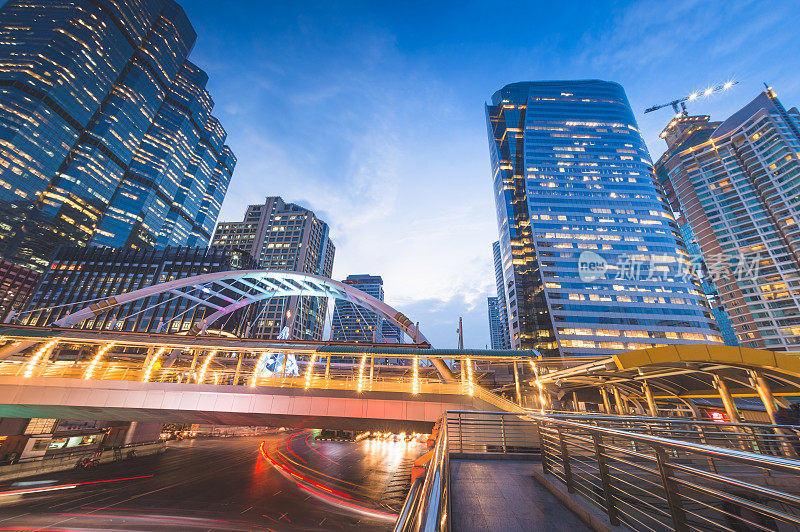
[444,371]
[620,404]
[328,367]
[517,389]
[195,352]
[575,404]
[760,384]
[651,402]
[727,400]
[606,402]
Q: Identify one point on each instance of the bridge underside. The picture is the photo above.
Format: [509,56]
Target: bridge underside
[79,399]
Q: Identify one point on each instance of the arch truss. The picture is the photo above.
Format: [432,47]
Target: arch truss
[226,292]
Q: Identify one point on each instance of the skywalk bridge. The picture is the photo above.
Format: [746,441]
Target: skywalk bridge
[116,376]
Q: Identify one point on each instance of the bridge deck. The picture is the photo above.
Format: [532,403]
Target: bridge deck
[503,495]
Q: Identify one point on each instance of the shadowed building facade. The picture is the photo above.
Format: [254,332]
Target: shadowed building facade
[737,184]
[283,236]
[106,132]
[593,262]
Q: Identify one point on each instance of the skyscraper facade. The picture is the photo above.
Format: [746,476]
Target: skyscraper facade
[495,324]
[502,340]
[80,274]
[352,323]
[739,189]
[592,258]
[283,236]
[106,132]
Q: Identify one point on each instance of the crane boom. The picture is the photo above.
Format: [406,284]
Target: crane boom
[695,95]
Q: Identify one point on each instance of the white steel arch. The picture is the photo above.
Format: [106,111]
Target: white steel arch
[226,292]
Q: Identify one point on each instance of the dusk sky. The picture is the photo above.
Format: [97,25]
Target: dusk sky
[372,114]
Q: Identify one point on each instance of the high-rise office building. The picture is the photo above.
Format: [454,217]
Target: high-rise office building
[80,274]
[737,183]
[283,236]
[592,258]
[17,283]
[352,323]
[496,338]
[503,339]
[106,133]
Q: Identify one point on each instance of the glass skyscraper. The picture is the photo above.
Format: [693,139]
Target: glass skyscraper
[500,340]
[351,323]
[738,186]
[495,324]
[593,262]
[106,133]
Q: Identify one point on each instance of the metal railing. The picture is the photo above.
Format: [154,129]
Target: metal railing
[642,481]
[427,506]
[775,440]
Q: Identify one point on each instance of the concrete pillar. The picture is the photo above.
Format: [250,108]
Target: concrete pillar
[606,402]
[328,367]
[371,370]
[727,400]
[575,404]
[651,402]
[761,386]
[130,432]
[517,389]
[618,401]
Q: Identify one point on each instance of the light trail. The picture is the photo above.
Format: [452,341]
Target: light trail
[66,486]
[319,453]
[152,363]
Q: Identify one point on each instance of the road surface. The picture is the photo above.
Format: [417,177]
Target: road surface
[287,481]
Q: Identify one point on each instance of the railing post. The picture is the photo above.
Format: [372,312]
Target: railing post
[503,432]
[542,447]
[673,497]
[460,435]
[712,466]
[605,478]
[565,462]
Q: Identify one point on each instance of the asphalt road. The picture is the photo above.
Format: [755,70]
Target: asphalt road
[290,482]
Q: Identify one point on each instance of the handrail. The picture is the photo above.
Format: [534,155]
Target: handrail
[427,505]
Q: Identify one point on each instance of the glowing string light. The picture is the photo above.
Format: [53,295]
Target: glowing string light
[361,372]
[415,381]
[152,364]
[202,375]
[310,369]
[539,385]
[96,360]
[37,356]
[259,363]
[470,382]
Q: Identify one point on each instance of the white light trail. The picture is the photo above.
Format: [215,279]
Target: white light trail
[152,364]
[204,368]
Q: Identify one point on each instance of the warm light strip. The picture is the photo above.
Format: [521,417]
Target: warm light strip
[260,361]
[202,375]
[361,372]
[538,385]
[470,382]
[96,360]
[310,369]
[150,365]
[37,356]
[415,382]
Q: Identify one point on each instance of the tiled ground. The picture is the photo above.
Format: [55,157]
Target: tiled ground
[502,495]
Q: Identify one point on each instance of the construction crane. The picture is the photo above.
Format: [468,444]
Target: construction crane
[693,96]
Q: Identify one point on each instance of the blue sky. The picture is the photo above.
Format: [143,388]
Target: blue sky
[371,114]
